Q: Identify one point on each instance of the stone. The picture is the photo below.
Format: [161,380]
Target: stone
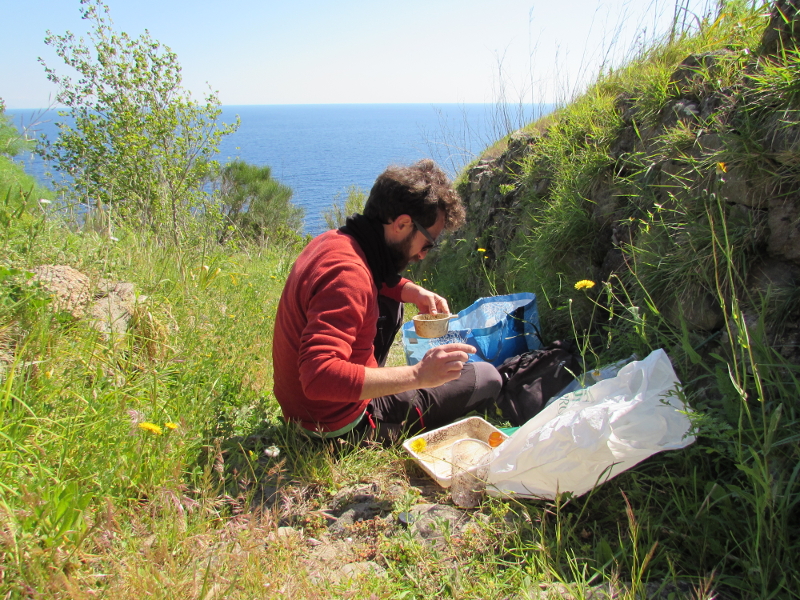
[737,188]
[772,276]
[696,67]
[353,494]
[356,569]
[361,511]
[606,203]
[430,520]
[675,179]
[284,533]
[783,220]
[783,30]
[700,312]
[71,289]
[709,143]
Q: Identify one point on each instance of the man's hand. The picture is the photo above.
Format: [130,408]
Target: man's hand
[425,301]
[438,366]
[442,364]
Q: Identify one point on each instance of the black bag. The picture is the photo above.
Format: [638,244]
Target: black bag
[532,378]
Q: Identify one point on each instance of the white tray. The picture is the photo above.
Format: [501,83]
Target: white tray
[435,459]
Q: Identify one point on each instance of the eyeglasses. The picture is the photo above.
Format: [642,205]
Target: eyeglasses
[432,245]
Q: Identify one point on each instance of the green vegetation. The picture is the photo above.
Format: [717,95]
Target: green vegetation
[337,214]
[256,207]
[153,462]
[140,145]
[679,169]
[16,181]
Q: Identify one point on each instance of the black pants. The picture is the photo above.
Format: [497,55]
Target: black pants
[418,410]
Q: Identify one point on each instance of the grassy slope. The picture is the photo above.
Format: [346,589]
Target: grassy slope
[93,506]
[668,191]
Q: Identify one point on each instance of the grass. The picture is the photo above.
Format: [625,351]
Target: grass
[93,505]
[629,157]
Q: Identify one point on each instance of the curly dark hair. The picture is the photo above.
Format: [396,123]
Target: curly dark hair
[420,191]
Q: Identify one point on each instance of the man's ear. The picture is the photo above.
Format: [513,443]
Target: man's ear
[402,224]
[398,229]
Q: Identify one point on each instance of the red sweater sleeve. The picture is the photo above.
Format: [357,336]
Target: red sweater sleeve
[333,346]
[394,292]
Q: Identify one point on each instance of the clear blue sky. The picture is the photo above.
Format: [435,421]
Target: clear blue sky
[350,51]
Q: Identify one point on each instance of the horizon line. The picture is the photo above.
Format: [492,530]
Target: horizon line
[340,104]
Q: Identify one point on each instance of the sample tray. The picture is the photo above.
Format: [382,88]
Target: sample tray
[435,458]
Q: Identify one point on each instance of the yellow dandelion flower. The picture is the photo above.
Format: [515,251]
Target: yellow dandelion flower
[481,249]
[419,445]
[171,425]
[721,168]
[151,427]
[584,284]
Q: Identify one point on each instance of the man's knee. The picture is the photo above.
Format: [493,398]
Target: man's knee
[488,381]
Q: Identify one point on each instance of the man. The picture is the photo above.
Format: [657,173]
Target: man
[342,307]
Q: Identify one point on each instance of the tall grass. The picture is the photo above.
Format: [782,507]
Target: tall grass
[618,159]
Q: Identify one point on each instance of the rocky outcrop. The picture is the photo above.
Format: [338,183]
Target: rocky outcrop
[107,305]
[754,175]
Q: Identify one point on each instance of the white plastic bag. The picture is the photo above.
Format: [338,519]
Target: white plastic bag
[590,435]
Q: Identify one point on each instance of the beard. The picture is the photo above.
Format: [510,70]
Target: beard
[399,251]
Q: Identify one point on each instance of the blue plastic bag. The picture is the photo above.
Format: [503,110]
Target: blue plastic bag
[498,326]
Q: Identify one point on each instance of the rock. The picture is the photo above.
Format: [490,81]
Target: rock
[354,494]
[69,287]
[356,569]
[675,179]
[701,311]
[689,75]
[710,143]
[606,203]
[783,29]
[111,314]
[560,591]
[736,187]
[109,305]
[284,533]
[625,142]
[681,111]
[431,521]
[773,276]
[784,229]
[361,511]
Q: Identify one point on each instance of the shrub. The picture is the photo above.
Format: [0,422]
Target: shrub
[140,143]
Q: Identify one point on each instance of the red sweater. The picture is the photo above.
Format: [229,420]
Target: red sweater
[324,330]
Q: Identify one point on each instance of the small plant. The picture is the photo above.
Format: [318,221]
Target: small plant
[352,203]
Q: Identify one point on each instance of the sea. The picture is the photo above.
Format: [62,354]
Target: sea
[322,150]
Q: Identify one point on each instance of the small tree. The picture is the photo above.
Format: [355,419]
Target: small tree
[256,206]
[337,214]
[139,142]
[11,141]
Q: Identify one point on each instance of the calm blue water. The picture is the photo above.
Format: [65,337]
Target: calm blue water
[321,150]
